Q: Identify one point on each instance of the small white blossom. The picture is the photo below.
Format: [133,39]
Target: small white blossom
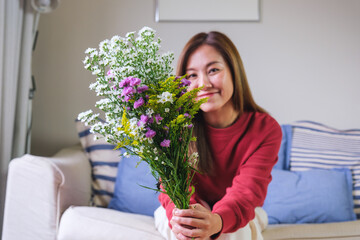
[165,97]
[94,53]
[149,112]
[146,29]
[115,39]
[86,60]
[129,34]
[167,110]
[83,116]
[90,50]
[96,72]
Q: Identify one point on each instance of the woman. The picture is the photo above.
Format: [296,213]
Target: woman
[237,142]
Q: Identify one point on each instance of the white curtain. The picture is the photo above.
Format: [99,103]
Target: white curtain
[16,23]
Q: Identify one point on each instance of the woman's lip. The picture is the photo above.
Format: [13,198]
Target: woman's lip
[206,95]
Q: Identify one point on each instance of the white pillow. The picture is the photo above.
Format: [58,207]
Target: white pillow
[104,162]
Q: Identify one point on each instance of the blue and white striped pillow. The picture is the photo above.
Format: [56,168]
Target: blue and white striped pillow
[315,146]
[104,162]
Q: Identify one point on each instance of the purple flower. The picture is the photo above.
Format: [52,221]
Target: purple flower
[127,90]
[187,115]
[158,118]
[134,81]
[190,126]
[110,73]
[138,103]
[143,120]
[185,82]
[165,143]
[124,83]
[142,89]
[114,87]
[150,133]
[126,98]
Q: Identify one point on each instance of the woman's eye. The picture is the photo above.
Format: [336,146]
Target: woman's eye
[213,70]
[191,76]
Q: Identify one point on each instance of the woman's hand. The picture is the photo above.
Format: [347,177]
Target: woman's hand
[197,222]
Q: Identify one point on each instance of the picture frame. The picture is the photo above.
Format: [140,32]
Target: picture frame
[207,10]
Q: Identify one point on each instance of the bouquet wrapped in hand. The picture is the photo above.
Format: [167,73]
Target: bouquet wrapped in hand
[147,111]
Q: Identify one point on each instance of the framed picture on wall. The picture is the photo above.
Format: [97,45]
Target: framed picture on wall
[207,10]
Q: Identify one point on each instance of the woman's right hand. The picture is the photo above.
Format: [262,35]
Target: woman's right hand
[197,222]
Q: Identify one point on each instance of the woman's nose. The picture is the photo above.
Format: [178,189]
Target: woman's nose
[205,82]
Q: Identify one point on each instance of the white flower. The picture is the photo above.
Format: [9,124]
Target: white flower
[102,44]
[86,60]
[115,39]
[146,29]
[93,53]
[149,112]
[92,86]
[129,34]
[194,155]
[84,115]
[126,154]
[96,71]
[165,97]
[167,110]
[90,50]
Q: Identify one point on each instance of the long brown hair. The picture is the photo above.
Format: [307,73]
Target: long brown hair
[242,98]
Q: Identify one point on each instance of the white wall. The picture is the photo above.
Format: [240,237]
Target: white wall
[302,59]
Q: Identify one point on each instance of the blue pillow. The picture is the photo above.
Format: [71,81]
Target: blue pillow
[284,152]
[129,196]
[314,196]
[317,146]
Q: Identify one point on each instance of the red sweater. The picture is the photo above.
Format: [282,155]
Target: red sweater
[244,155]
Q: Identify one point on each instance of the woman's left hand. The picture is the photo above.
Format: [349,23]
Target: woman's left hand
[197,222]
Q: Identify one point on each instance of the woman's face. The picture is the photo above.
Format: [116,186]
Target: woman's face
[206,68]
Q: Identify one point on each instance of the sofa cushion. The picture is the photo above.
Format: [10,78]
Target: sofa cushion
[104,161]
[339,231]
[129,195]
[284,151]
[316,146]
[314,196]
[93,223]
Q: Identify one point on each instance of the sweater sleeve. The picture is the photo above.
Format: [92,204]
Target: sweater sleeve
[249,186]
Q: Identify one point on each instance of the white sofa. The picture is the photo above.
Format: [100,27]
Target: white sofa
[48,198]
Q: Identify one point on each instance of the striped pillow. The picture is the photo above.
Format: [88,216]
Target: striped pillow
[104,162]
[315,146]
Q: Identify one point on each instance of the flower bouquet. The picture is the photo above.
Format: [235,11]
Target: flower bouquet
[148,112]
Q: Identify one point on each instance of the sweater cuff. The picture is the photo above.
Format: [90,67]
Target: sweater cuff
[228,219]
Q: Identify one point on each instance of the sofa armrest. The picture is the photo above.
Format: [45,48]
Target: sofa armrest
[40,189]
